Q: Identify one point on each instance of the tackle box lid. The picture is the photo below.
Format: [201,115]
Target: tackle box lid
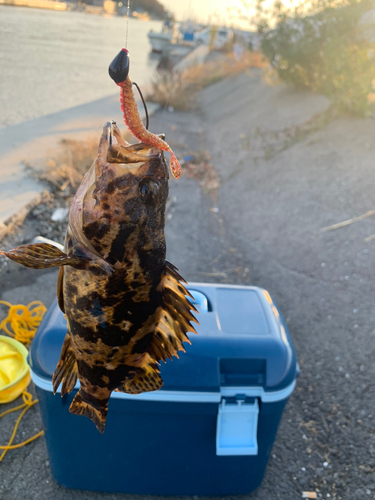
[242,343]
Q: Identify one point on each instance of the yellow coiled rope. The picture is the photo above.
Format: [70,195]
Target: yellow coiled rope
[27,404]
[23,320]
[21,324]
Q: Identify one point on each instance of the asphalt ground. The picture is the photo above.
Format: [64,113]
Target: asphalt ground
[265,229]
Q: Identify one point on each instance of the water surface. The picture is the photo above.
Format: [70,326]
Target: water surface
[55,60]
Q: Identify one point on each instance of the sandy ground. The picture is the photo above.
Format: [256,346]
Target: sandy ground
[268,232]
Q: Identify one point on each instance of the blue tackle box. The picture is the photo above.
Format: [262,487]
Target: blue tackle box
[208,431]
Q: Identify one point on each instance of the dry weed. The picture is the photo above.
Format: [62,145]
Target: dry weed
[270,76]
[178,89]
[65,170]
[256,60]
[170,89]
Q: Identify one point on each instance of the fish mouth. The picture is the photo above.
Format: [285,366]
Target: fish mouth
[114,149]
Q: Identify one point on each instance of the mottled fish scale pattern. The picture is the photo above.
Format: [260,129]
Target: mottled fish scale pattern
[122,323]
[126,306]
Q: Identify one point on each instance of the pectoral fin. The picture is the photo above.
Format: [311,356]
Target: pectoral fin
[147,380]
[41,255]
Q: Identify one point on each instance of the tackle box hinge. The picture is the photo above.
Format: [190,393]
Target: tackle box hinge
[237,426]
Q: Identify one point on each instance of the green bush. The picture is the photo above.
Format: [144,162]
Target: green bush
[323,49]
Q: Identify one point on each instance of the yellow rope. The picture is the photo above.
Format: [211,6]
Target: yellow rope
[27,404]
[23,320]
[21,323]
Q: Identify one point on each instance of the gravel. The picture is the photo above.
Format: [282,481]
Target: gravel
[266,231]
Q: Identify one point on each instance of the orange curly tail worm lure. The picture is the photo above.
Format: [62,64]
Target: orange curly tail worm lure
[119,72]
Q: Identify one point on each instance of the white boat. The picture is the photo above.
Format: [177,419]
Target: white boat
[161,40]
[215,37]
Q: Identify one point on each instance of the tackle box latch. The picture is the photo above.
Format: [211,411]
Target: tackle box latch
[237,426]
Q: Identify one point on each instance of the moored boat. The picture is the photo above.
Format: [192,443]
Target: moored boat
[163,39]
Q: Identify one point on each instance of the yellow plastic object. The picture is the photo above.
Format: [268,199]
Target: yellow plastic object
[14,370]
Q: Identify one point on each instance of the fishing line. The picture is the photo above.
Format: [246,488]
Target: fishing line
[127,24]
[144,104]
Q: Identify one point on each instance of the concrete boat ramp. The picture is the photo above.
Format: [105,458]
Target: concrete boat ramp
[29,144]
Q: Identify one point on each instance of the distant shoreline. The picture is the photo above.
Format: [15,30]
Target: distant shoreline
[39,4]
[108,7]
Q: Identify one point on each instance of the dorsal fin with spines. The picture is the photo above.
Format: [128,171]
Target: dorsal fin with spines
[174,316]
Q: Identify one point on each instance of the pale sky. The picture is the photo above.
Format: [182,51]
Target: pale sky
[202,9]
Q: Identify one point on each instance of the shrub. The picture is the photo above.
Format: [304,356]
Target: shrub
[322,48]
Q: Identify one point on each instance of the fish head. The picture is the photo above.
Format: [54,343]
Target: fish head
[122,202]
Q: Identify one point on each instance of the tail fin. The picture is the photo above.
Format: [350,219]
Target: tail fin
[97,415]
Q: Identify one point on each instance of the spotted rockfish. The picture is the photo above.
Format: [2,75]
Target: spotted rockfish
[125,305]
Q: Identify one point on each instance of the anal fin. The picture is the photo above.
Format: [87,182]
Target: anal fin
[66,370]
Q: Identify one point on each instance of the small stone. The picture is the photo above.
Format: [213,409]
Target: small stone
[60,214]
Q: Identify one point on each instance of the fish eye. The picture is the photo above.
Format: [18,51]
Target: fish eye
[145,190]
